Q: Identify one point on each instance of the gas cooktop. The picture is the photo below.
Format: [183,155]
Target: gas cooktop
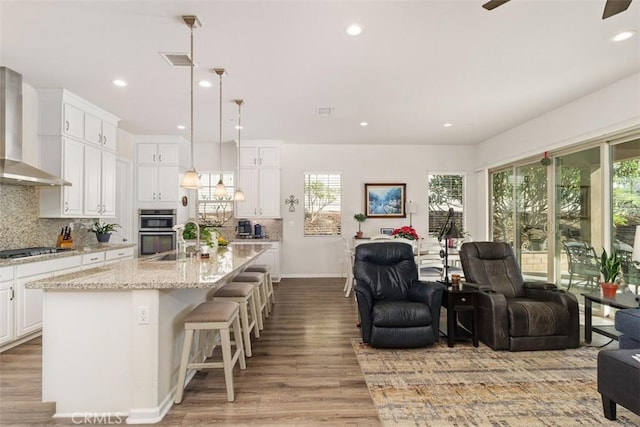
[27,252]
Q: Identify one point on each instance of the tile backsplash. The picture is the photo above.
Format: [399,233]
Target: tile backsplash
[21,227]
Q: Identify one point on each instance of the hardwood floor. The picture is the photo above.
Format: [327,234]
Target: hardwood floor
[303,371]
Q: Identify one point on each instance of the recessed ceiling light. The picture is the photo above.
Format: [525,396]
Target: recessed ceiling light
[204,83]
[624,35]
[363,124]
[181,127]
[354,29]
[119,83]
[238,127]
[447,125]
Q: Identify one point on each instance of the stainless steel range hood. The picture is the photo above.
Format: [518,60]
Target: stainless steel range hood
[12,169]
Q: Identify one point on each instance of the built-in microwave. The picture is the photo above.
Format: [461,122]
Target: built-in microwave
[156,219]
[155,231]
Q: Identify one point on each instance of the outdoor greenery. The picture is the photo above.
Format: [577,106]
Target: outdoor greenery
[572,197]
[322,204]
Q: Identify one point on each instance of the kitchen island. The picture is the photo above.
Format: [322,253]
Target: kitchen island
[112,335]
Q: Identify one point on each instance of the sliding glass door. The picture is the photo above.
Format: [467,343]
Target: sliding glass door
[578,219]
[531,203]
[625,203]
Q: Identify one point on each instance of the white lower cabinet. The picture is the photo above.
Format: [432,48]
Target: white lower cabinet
[271,257]
[116,255]
[7,296]
[22,319]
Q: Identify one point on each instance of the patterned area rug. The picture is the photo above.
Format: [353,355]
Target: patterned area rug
[468,386]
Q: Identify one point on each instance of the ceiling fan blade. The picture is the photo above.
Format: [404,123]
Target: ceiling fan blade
[613,7]
[492,4]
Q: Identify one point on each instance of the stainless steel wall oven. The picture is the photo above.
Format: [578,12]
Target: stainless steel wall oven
[155,231]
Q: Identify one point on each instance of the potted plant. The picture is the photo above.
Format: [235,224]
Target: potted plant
[360,218]
[610,267]
[103,231]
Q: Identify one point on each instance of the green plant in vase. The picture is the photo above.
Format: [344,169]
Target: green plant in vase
[103,230]
[360,217]
[610,267]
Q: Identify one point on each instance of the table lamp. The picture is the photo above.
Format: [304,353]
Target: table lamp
[451,233]
[411,208]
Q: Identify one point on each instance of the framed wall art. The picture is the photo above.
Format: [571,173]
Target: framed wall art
[385,200]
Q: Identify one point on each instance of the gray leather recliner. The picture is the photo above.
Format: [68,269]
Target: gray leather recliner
[396,310]
[513,314]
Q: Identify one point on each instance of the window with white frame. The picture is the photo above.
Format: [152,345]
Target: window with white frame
[211,209]
[445,191]
[322,204]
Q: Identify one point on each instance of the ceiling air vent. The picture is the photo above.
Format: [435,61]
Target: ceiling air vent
[324,111]
[177,59]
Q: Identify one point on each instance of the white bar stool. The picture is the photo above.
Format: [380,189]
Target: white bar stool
[266,270]
[214,316]
[258,280]
[243,294]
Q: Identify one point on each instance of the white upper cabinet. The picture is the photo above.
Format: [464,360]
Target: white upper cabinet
[62,157]
[99,132]
[78,142]
[267,156]
[159,159]
[259,180]
[151,153]
[73,121]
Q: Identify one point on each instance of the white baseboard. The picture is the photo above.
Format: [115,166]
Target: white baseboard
[313,276]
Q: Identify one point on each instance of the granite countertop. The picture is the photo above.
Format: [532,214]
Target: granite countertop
[266,239]
[98,247]
[151,272]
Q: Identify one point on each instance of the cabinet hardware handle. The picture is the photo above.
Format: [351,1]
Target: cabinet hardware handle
[66,206]
[120,253]
[93,259]
[160,157]
[463,299]
[159,196]
[100,139]
[104,139]
[260,160]
[12,294]
[154,196]
[99,209]
[255,161]
[154,157]
[66,125]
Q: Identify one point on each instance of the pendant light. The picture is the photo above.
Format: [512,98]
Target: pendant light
[221,189]
[239,195]
[191,178]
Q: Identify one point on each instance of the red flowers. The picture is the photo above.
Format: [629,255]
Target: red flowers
[405,232]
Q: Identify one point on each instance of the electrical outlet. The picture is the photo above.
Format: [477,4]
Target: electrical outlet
[143,315]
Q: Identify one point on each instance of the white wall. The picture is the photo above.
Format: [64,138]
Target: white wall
[607,111]
[360,164]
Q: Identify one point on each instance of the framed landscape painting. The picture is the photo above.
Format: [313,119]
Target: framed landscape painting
[385,200]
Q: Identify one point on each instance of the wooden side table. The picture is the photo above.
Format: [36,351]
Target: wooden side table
[456,300]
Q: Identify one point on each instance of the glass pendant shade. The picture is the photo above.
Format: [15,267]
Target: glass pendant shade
[191,180]
[221,189]
[239,196]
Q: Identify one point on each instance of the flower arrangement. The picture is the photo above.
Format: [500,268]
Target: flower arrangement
[405,232]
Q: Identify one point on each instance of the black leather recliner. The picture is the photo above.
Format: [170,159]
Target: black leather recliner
[396,310]
[513,314]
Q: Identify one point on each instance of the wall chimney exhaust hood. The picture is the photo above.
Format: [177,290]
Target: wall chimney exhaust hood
[12,169]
